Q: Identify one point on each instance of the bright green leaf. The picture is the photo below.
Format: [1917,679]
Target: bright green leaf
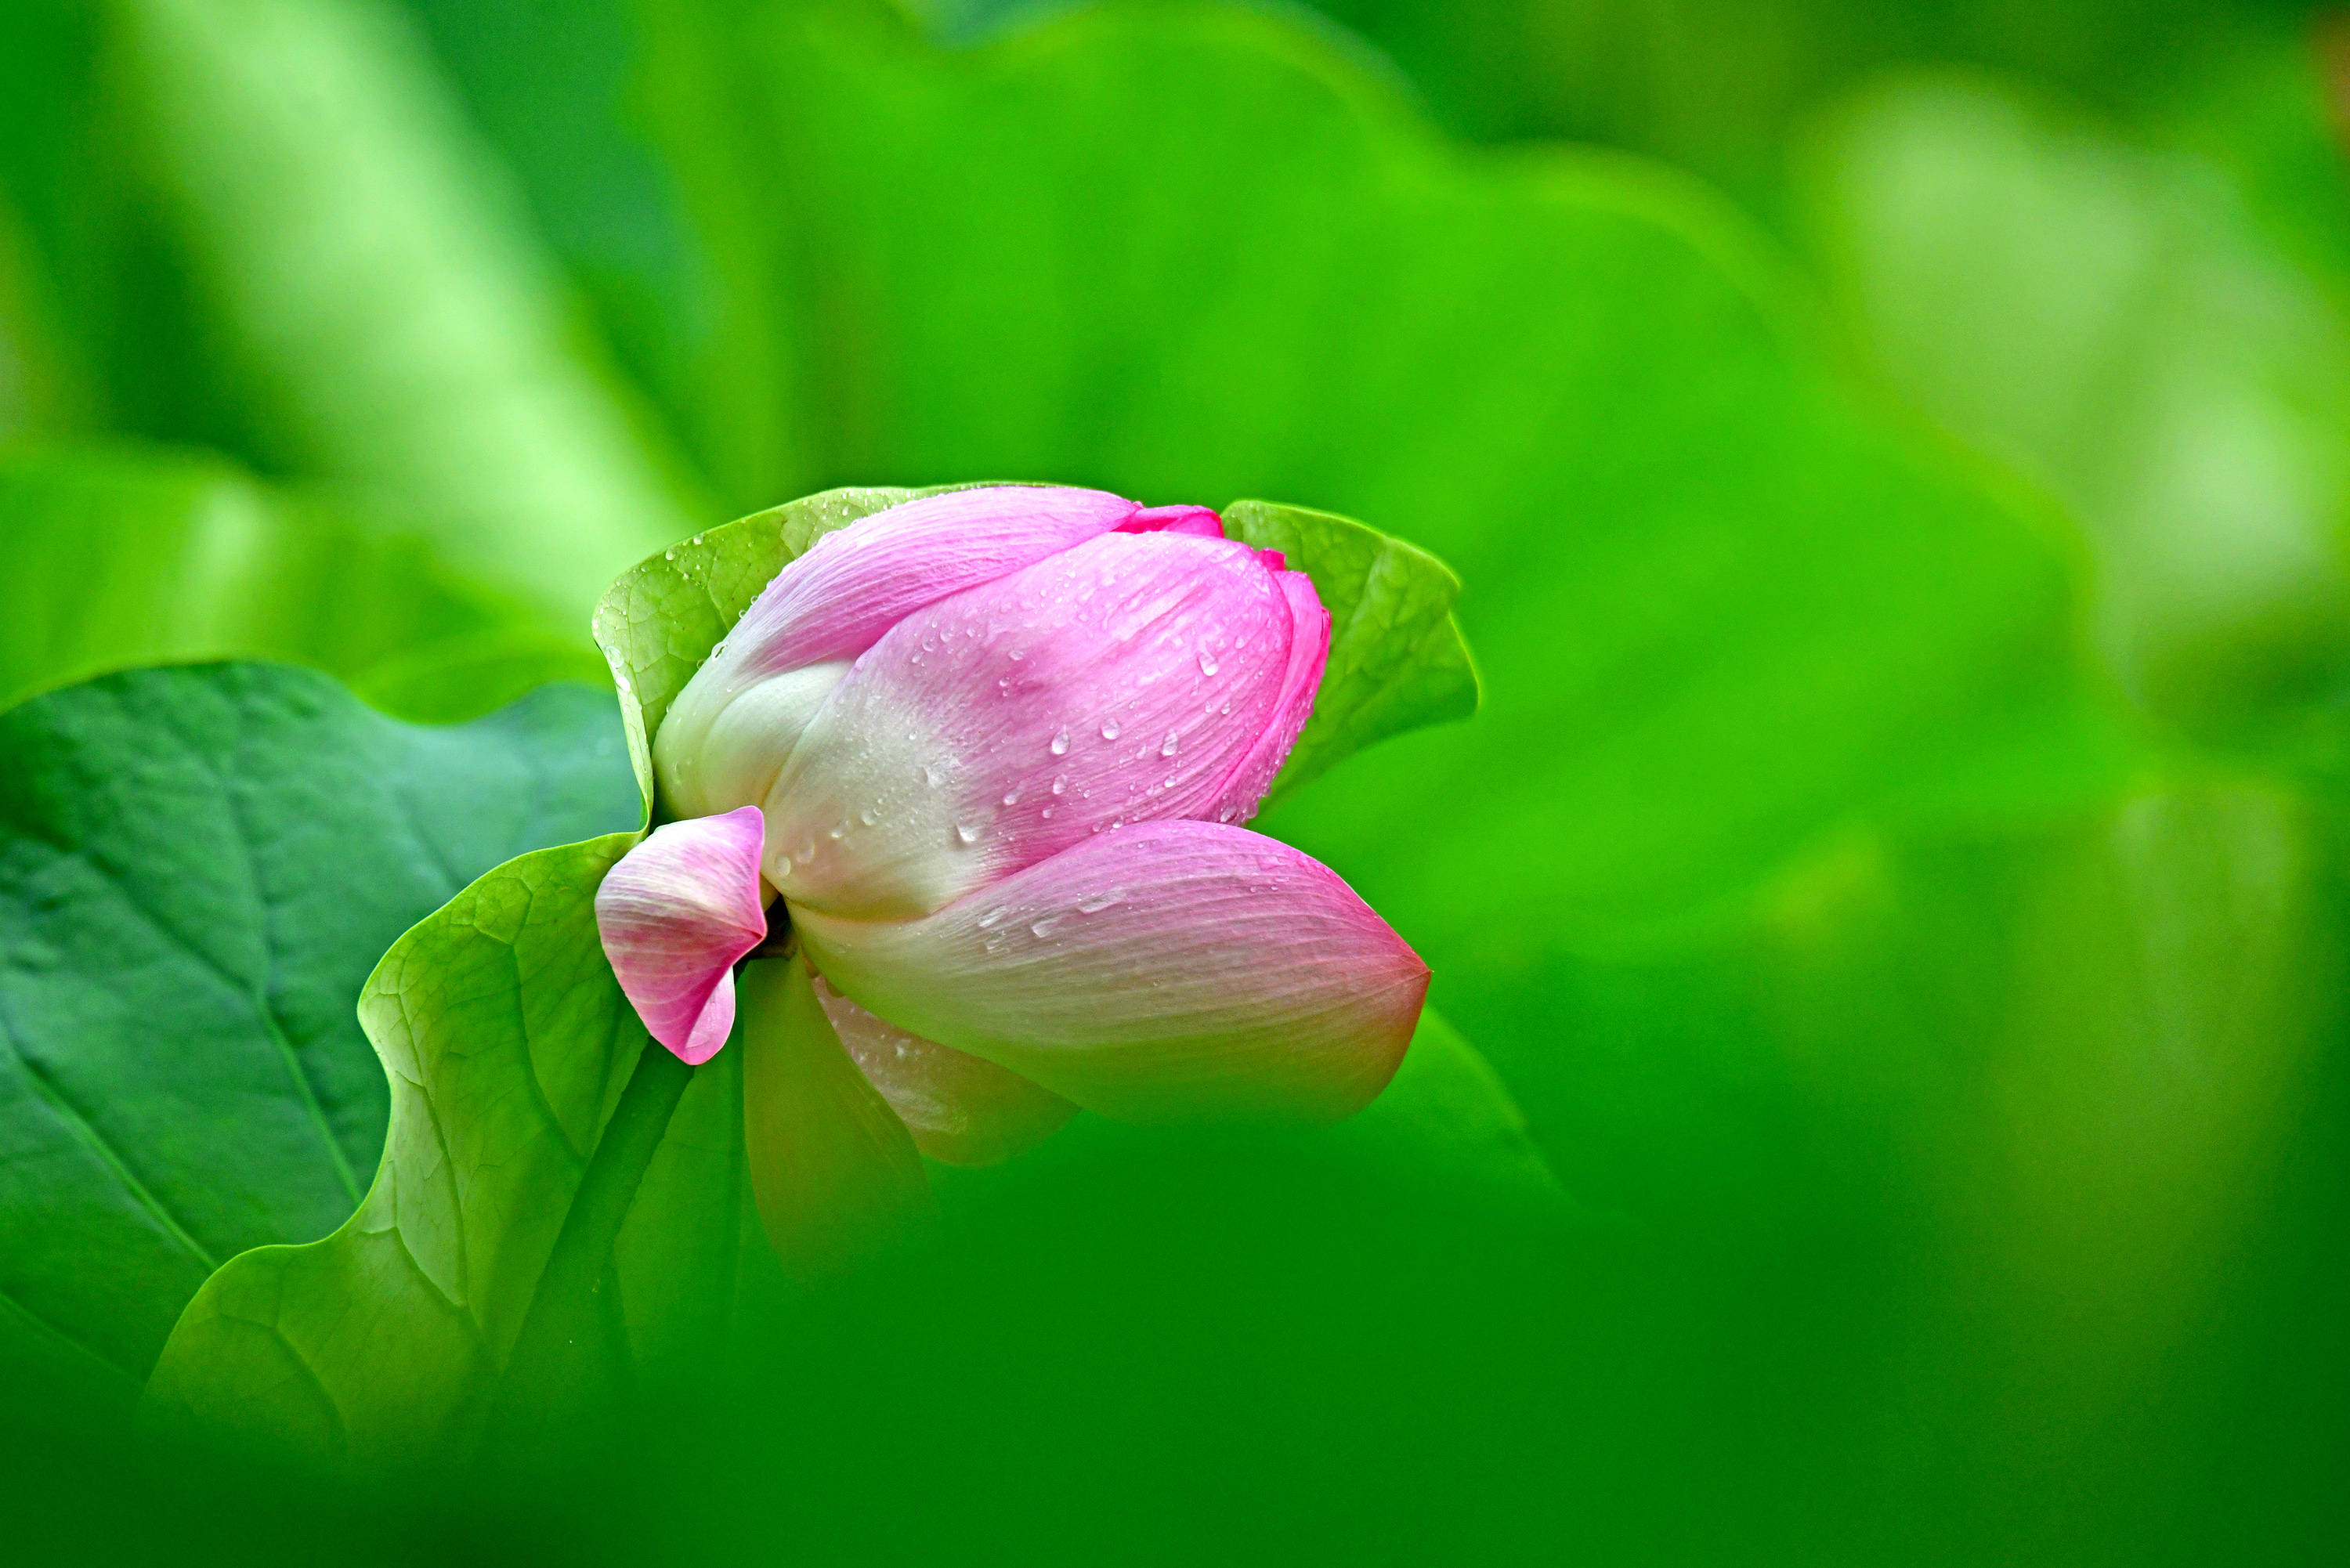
[198,866]
[531,1128]
[1447,1095]
[1397,661]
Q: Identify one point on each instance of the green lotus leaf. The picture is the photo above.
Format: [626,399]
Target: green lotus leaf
[198,866]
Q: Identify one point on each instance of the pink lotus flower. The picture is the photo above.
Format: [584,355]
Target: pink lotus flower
[991,749]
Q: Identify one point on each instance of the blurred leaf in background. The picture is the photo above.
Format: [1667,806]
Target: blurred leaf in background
[261,226]
[1717,85]
[1577,380]
[2112,320]
[116,554]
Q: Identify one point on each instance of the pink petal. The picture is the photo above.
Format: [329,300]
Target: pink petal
[1123,680]
[1164,971]
[733,727]
[1197,520]
[1309,653]
[836,600]
[675,914]
[962,1110]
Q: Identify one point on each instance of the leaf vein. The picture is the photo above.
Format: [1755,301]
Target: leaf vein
[53,1095]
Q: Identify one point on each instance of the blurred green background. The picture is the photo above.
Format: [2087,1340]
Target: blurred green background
[1898,458]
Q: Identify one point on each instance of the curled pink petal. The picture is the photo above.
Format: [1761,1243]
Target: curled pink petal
[962,1110]
[855,584]
[732,727]
[1121,681]
[1309,653]
[1165,971]
[675,914]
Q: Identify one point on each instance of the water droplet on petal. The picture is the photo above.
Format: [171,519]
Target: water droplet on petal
[1012,796]
[1061,747]
[1110,729]
[869,816]
[837,830]
[1207,662]
[1100,901]
[807,851]
[994,917]
[933,777]
[1047,926]
[669,553]
[1167,749]
[1060,784]
[966,833]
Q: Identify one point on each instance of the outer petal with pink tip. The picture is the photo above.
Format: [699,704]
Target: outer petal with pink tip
[1121,681]
[1309,653]
[855,584]
[1166,971]
[962,1110]
[675,914]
